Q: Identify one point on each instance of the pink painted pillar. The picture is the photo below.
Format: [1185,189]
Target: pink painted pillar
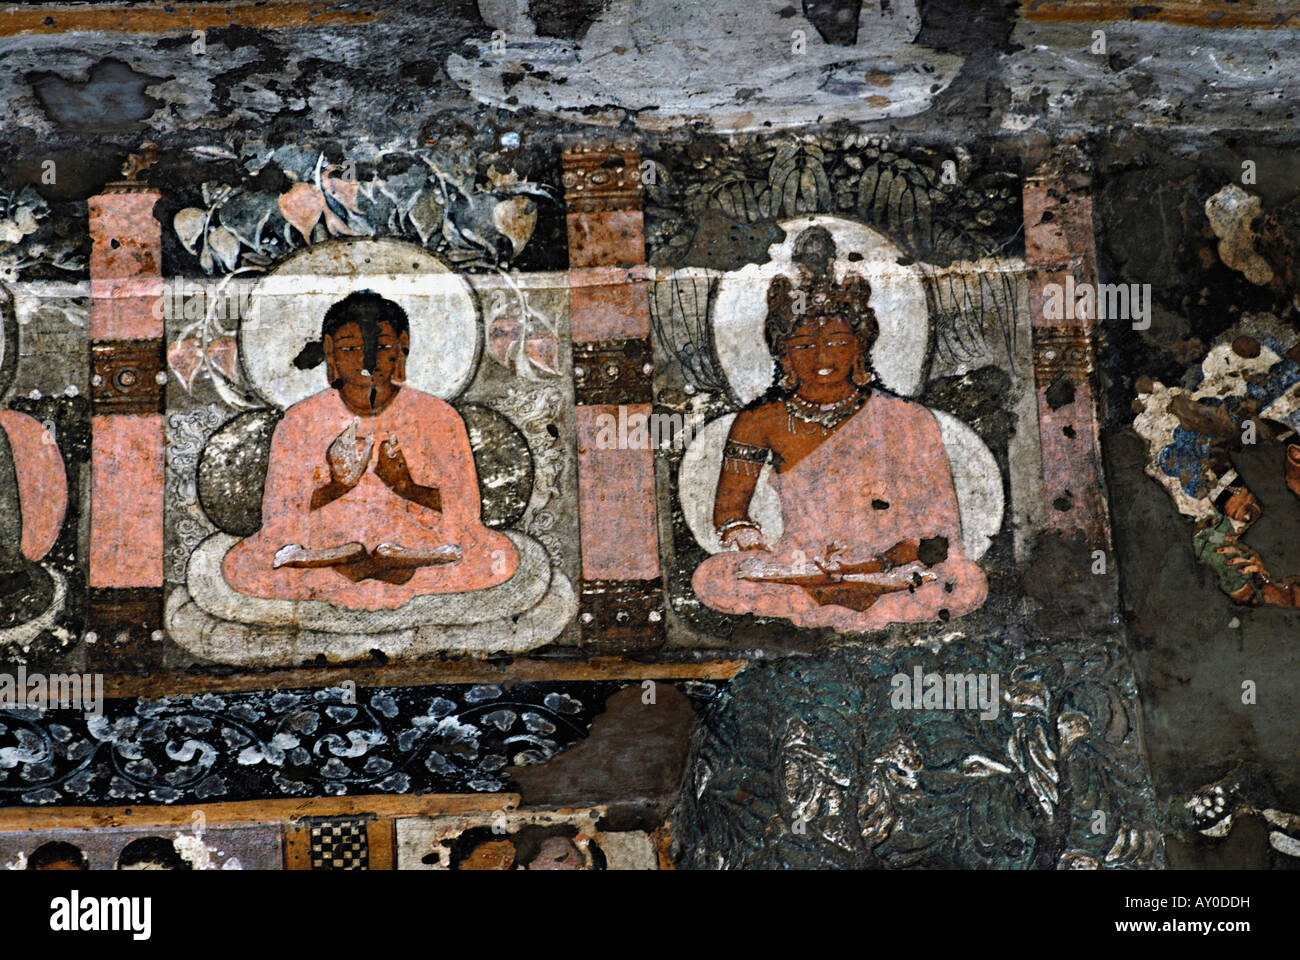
[127,441]
[621,599]
[1060,248]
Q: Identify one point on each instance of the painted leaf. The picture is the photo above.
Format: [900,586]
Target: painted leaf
[246,215]
[503,334]
[344,191]
[739,199]
[799,181]
[302,206]
[188,224]
[225,246]
[867,187]
[184,357]
[336,226]
[426,214]
[222,354]
[516,218]
[543,352]
[403,188]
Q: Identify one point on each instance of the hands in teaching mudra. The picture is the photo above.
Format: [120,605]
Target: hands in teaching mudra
[349,458]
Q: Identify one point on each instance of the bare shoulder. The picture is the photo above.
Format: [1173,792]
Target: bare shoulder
[754,424]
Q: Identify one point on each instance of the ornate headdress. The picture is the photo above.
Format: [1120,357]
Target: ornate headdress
[791,303]
[789,306]
[816,293]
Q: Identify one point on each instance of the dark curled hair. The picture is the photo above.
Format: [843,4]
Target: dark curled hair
[462,846]
[527,843]
[57,851]
[366,309]
[157,850]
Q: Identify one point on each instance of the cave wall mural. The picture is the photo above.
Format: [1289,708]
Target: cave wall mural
[869,452]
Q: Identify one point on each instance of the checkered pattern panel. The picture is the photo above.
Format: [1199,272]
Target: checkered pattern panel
[339,845]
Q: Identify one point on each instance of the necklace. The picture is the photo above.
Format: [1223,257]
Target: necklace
[827,416]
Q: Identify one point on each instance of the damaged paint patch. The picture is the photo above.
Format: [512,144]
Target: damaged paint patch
[731,65]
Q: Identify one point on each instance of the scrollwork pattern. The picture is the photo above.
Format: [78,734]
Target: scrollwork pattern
[534,411]
[187,432]
[335,741]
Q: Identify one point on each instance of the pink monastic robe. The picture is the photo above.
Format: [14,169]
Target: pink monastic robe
[890,451]
[436,446]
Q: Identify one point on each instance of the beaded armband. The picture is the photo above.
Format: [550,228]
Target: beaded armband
[745,458]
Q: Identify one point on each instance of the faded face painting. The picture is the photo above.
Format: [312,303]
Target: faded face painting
[366,366]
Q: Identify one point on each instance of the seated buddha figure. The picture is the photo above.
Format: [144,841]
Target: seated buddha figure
[872,533]
[371,493]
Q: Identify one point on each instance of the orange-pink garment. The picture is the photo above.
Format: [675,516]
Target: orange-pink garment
[42,482]
[436,446]
[891,452]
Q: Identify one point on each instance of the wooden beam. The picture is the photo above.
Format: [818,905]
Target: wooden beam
[165,18]
[418,674]
[1242,14]
[257,811]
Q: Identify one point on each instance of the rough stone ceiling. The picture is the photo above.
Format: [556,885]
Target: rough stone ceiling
[989,68]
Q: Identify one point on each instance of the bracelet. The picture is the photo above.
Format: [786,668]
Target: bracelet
[729,525]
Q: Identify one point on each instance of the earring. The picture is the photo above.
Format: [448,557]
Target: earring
[861,374]
[788,383]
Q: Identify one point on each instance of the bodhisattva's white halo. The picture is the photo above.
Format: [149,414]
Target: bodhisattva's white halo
[976,480]
[287,305]
[897,296]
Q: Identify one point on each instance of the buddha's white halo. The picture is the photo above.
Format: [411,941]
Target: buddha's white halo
[287,305]
[897,296]
[975,478]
